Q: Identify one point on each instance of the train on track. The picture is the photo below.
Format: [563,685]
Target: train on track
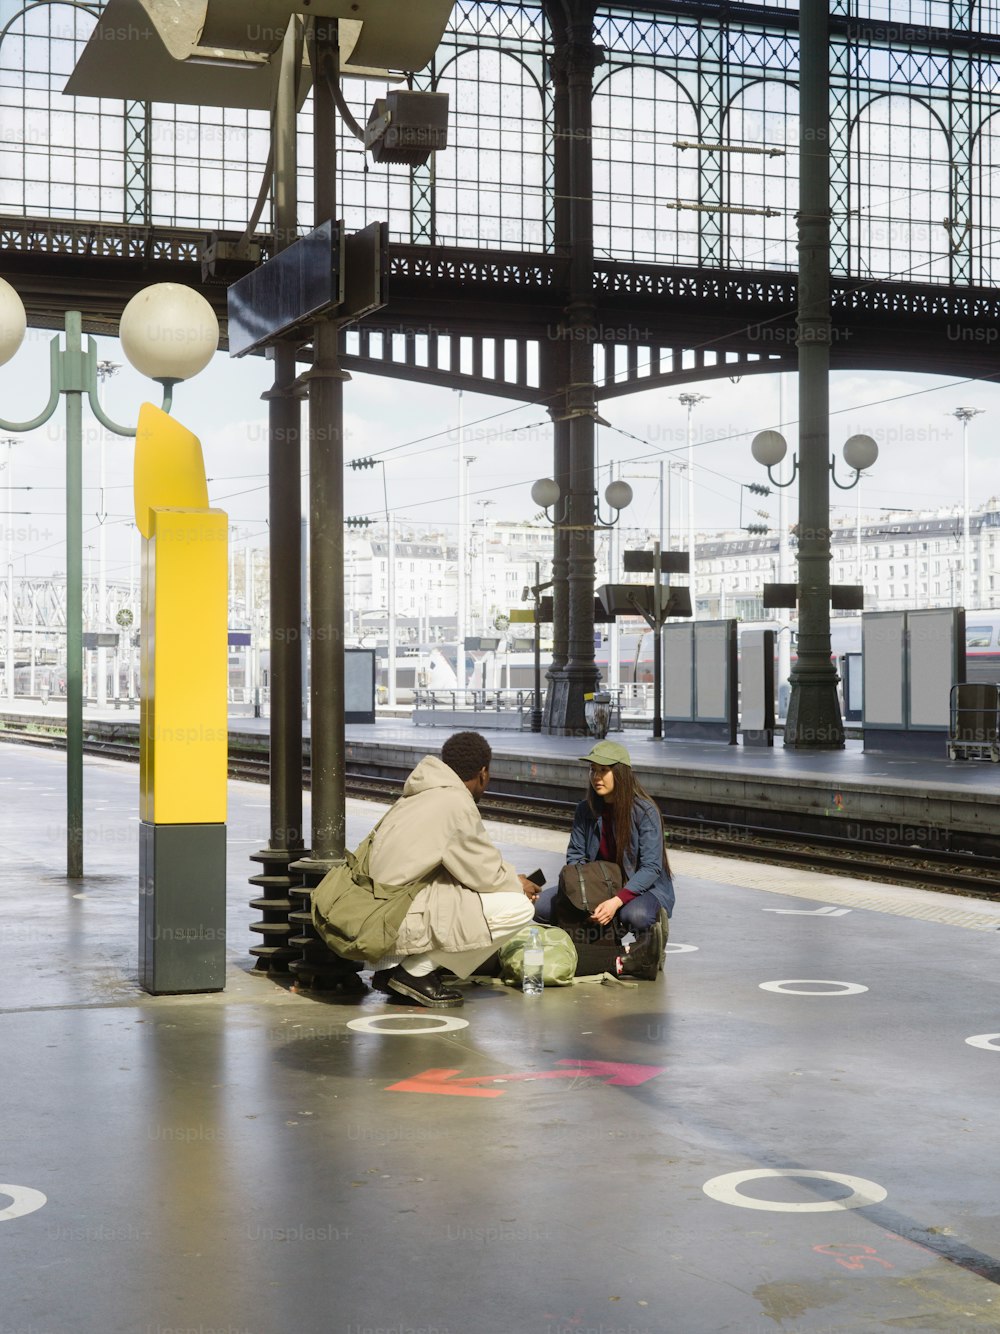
[635,653]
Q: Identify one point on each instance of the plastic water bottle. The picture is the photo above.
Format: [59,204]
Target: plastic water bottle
[534,960]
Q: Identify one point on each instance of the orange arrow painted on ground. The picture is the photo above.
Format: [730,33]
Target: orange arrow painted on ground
[608,1072]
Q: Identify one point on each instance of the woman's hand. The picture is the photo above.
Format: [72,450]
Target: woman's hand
[604,912]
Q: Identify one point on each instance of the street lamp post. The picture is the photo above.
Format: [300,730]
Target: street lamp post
[690,401]
[813,718]
[484,506]
[965,415]
[462,611]
[547,494]
[168,332]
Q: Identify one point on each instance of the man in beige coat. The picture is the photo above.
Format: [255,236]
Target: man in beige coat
[474,899]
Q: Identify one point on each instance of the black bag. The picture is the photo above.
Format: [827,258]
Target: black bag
[581,888]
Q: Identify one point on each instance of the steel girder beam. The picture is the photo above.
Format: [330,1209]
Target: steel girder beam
[96,267]
[447,294]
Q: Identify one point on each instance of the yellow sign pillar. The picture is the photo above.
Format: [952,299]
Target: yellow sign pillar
[183,718]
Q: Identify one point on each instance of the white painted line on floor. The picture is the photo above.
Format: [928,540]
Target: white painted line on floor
[681,949]
[864,1193]
[810,912]
[985,1041]
[788,988]
[441,1023]
[25,1201]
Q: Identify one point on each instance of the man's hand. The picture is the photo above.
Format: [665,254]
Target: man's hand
[604,912]
[530,888]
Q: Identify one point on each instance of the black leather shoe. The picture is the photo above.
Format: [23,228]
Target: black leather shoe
[427,991]
[643,959]
[380,979]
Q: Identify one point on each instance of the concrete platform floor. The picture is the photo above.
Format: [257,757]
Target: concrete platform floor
[796,1129]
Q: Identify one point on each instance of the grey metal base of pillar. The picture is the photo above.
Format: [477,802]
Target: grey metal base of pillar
[182,908]
[814,721]
[275,954]
[317,968]
[565,709]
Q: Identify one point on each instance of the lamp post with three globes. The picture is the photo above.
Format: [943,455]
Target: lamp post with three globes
[168,332]
[813,717]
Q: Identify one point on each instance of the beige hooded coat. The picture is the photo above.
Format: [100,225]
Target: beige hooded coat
[435,827]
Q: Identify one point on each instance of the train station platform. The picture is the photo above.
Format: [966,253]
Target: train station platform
[793,1129]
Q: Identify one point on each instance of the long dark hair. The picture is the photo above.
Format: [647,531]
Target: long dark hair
[627,791]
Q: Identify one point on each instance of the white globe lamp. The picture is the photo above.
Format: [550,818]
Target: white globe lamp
[545,492]
[13,322]
[169,332]
[768,448]
[860,452]
[618,495]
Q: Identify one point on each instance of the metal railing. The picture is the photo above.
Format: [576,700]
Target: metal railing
[510,699]
[634,697]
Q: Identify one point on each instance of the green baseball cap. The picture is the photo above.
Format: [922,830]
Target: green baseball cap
[608,753]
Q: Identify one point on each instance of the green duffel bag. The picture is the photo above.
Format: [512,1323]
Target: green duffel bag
[559,966]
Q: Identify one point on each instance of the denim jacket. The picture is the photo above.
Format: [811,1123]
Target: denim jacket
[643,862]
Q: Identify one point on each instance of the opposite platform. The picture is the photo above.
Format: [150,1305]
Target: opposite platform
[874,798]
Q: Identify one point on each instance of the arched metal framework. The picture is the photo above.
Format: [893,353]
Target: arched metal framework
[615,212]
[692,245]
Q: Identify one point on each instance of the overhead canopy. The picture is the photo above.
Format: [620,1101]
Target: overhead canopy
[222,52]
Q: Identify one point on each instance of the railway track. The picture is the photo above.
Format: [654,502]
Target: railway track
[946,871]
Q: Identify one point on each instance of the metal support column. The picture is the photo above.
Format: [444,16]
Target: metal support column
[285,843]
[814,721]
[74,594]
[560,565]
[319,967]
[578,56]
[555,376]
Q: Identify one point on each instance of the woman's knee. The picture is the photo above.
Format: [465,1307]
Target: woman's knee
[640,913]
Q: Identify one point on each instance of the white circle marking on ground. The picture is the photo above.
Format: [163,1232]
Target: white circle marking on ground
[26,1201]
[443,1023]
[681,949]
[788,987]
[724,1189]
[985,1041]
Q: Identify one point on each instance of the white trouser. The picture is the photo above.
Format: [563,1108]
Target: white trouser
[505,913]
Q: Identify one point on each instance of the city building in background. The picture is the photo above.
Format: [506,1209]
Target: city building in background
[904,560]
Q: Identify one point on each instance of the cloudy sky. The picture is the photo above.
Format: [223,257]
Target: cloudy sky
[415,429]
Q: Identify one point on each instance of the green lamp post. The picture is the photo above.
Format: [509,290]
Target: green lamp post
[168,332]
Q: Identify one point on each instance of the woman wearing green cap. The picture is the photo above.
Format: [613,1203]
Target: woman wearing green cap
[618,821]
